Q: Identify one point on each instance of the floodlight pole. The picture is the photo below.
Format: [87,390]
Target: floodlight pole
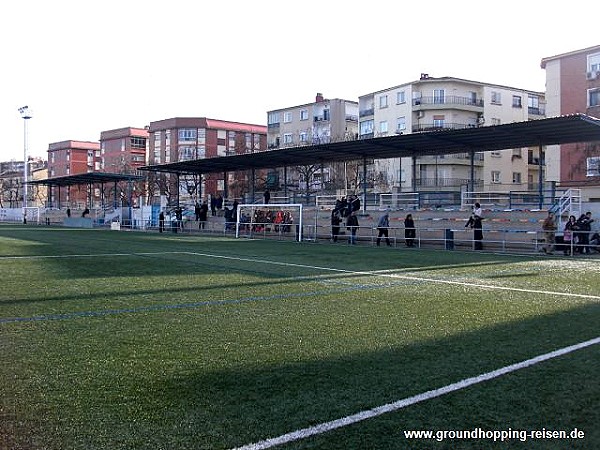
[26,115]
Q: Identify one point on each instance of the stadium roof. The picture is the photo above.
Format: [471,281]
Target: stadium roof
[87,178]
[556,130]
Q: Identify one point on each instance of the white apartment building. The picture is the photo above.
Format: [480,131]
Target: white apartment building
[321,122]
[450,103]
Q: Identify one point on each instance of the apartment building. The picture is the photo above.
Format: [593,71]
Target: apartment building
[320,122]
[431,103]
[71,158]
[573,86]
[11,183]
[123,150]
[187,138]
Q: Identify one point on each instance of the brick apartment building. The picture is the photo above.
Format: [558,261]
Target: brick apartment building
[187,138]
[573,86]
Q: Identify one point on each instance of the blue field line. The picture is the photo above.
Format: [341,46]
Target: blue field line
[141,309]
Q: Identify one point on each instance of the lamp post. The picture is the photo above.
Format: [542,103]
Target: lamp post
[26,115]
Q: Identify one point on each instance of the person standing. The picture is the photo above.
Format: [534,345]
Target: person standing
[352,225]
[197,211]
[335,224]
[549,227]
[383,228]
[213,205]
[568,235]
[409,231]
[203,215]
[267,196]
[161,222]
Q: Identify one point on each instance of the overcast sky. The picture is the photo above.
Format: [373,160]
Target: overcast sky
[85,66]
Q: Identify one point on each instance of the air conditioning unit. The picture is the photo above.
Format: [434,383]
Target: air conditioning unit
[593,75]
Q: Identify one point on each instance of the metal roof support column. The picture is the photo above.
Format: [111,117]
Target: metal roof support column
[253,184]
[115,204]
[285,181]
[540,179]
[89,196]
[177,177]
[414,173]
[364,184]
[225,193]
[472,171]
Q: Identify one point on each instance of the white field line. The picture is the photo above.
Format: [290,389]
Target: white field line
[329,269]
[395,406]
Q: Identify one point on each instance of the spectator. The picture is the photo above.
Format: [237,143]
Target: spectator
[383,228]
[161,222]
[267,196]
[335,224]
[352,225]
[203,215]
[409,231]
[584,223]
[568,235]
[197,211]
[213,205]
[85,212]
[68,212]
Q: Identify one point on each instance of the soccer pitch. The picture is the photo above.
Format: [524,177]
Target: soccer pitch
[125,340]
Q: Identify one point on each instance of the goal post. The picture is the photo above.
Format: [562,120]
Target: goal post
[272,218]
[31,214]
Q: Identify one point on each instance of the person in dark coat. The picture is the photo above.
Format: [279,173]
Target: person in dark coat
[203,215]
[409,231]
[267,196]
[335,224]
[352,225]
[161,222]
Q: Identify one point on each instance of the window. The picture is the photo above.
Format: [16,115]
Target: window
[288,138]
[496,98]
[400,97]
[383,127]
[516,178]
[303,136]
[273,118]
[138,142]
[495,176]
[439,96]
[400,124]
[366,127]
[438,122]
[496,154]
[593,166]
[517,101]
[496,121]
[287,117]
[383,101]
[594,62]
[593,97]
[187,134]
[304,114]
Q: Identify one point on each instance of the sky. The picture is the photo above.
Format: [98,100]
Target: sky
[87,66]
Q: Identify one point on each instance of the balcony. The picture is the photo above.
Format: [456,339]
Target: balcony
[366,112]
[536,111]
[444,182]
[418,127]
[449,101]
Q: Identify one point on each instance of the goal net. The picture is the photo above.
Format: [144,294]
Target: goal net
[272,219]
[32,214]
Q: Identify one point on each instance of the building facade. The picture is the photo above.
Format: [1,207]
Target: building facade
[450,103]
[573,86]
[320,122]
[187,138]
[123,150]
[71,158]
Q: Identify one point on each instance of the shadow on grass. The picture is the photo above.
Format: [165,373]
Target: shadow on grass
[252,401]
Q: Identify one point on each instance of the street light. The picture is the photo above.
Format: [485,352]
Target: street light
[26,115]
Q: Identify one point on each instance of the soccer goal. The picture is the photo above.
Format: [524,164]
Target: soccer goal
[272,219]
[31,214]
